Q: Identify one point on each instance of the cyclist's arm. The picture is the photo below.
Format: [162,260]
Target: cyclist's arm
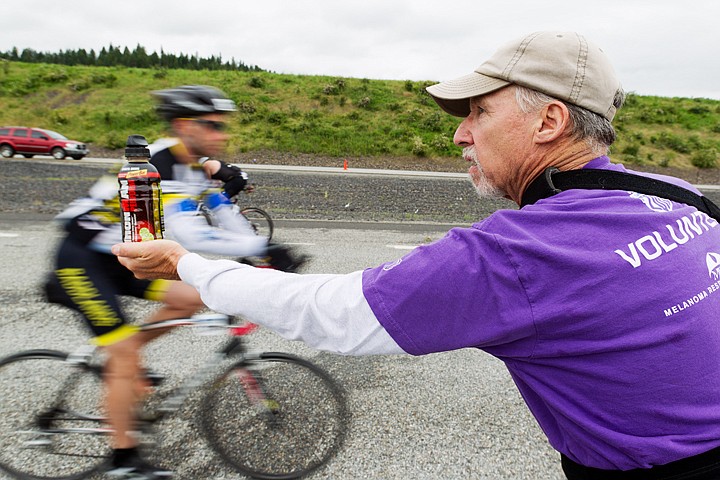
[211,167]
[91,220]
[328,312]
[194,233]
[233,178]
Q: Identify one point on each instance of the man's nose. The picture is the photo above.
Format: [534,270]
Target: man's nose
[462,137]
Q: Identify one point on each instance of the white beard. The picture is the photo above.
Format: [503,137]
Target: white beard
[482,184]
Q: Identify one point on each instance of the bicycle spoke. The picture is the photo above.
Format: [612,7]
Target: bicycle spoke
[287,418]
[45,434]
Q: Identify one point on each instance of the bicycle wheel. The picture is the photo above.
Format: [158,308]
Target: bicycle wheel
[46,403]
[296,426]
[260,221]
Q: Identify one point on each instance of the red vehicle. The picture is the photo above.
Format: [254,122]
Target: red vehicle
[37,141]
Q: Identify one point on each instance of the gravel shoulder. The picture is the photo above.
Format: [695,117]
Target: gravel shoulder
[30,187]
[446,164]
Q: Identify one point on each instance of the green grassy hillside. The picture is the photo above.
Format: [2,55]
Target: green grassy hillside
[317,114]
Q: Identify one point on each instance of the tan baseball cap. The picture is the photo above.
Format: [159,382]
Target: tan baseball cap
[563,65]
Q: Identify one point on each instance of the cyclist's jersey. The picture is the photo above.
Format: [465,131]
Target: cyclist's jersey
[88,277]
[163,155]
[181,181]
[95,220]
[163,159]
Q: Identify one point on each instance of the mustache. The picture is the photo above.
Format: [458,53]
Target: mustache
[469,153]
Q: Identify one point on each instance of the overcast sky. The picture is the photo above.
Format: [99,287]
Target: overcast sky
[659,47]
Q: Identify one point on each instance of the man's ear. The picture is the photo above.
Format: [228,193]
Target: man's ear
[554,122]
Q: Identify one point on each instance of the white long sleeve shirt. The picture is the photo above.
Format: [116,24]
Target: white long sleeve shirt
[328,312]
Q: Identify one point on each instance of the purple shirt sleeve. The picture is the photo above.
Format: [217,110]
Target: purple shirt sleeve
[461,291]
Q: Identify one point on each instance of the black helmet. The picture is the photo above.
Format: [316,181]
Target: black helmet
[192,101]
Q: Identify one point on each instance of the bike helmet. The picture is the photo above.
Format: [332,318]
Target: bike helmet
[192,101]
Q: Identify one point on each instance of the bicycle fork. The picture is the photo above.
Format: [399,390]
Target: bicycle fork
[251,380]
[252,384]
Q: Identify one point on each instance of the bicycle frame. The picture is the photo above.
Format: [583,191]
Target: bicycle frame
[205,373]
[235,347]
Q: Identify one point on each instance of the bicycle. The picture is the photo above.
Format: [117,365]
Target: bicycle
[260,221]
[268,415]
[199,187]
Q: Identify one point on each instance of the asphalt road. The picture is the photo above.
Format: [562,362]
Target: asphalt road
[451,416]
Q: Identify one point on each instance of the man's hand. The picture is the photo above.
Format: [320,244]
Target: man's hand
[151,260]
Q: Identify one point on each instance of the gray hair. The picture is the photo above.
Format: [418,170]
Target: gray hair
[593,129]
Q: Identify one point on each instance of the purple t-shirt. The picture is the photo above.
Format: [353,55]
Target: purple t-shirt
[603,305]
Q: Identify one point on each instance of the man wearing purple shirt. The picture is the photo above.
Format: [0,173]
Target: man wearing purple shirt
[603,304]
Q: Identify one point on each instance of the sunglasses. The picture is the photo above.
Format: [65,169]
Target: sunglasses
[211,124]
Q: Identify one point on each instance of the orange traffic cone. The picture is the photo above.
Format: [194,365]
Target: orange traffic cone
[345,165]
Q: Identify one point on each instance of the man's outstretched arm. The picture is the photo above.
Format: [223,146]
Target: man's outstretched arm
[328,312]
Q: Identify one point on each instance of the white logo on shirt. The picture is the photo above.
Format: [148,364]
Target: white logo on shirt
[655,204]
[713,264]
[657,242]
[390,266]
[712,260]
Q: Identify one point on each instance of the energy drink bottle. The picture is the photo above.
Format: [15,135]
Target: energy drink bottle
[140,195]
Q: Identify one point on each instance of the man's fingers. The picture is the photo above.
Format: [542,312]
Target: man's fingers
[117,249]
[127,250]
[150,260]
[138,249]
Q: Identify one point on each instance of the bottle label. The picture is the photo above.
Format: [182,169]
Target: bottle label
[136,173]
[140,203]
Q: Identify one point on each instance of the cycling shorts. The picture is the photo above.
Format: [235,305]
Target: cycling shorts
[90,282]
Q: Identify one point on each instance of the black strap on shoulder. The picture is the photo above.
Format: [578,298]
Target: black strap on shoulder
[553,181]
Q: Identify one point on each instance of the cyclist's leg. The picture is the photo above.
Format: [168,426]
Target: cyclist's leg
[90,282]
[179,300]
[123,382]
[126,387]
[85,281]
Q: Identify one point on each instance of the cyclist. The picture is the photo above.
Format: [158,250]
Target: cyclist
[89,279]
[197,117]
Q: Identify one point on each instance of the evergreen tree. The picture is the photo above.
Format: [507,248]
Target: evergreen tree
[114,56]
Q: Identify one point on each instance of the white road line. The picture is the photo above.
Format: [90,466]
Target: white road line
[402,247]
